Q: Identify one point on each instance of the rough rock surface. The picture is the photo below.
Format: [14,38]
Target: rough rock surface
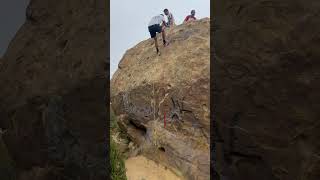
[52,81]
[266,89]
[147,87]
[7,170]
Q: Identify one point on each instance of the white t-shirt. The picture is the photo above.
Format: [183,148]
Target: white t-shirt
[157,20]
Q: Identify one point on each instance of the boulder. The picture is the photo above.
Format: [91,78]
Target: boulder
[52,80]
[162,102]
[266,89]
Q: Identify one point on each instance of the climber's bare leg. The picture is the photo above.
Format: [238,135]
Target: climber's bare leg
[164,37]
[156,44]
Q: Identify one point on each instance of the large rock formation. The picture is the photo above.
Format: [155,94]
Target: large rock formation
[147,87]
[52,91]
[266,89]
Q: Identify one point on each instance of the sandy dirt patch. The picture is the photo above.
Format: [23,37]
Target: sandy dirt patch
[141,168]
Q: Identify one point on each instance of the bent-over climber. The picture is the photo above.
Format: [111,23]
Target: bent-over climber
[190,17]
[170,17]
[157,25]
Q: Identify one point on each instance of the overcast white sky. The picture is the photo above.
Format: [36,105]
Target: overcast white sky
[12,16]
[129,21]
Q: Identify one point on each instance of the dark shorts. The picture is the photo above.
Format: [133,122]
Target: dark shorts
[154,29]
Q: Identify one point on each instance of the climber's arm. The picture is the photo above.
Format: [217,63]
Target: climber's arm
[172,22]
[186,19]
[164,24]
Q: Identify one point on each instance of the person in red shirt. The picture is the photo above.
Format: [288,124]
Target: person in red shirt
[190,17]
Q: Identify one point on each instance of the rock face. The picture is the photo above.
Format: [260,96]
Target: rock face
[7,170]
[266,89]
[147,87]
[52,92]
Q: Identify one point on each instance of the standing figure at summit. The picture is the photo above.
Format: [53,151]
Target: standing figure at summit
[190,17]
[170,17]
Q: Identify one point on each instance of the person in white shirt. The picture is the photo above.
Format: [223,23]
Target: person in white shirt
[170,18]
[157,25]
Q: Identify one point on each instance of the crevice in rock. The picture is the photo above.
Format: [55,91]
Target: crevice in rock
[162,149]
[62,44]
[185,110]
[248,156]
[140,128]
[234,122]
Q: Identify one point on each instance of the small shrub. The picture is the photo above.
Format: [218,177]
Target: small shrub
[118,170]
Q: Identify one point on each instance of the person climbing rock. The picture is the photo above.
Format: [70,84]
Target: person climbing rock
[190,17]
[170,18]
[157,25]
